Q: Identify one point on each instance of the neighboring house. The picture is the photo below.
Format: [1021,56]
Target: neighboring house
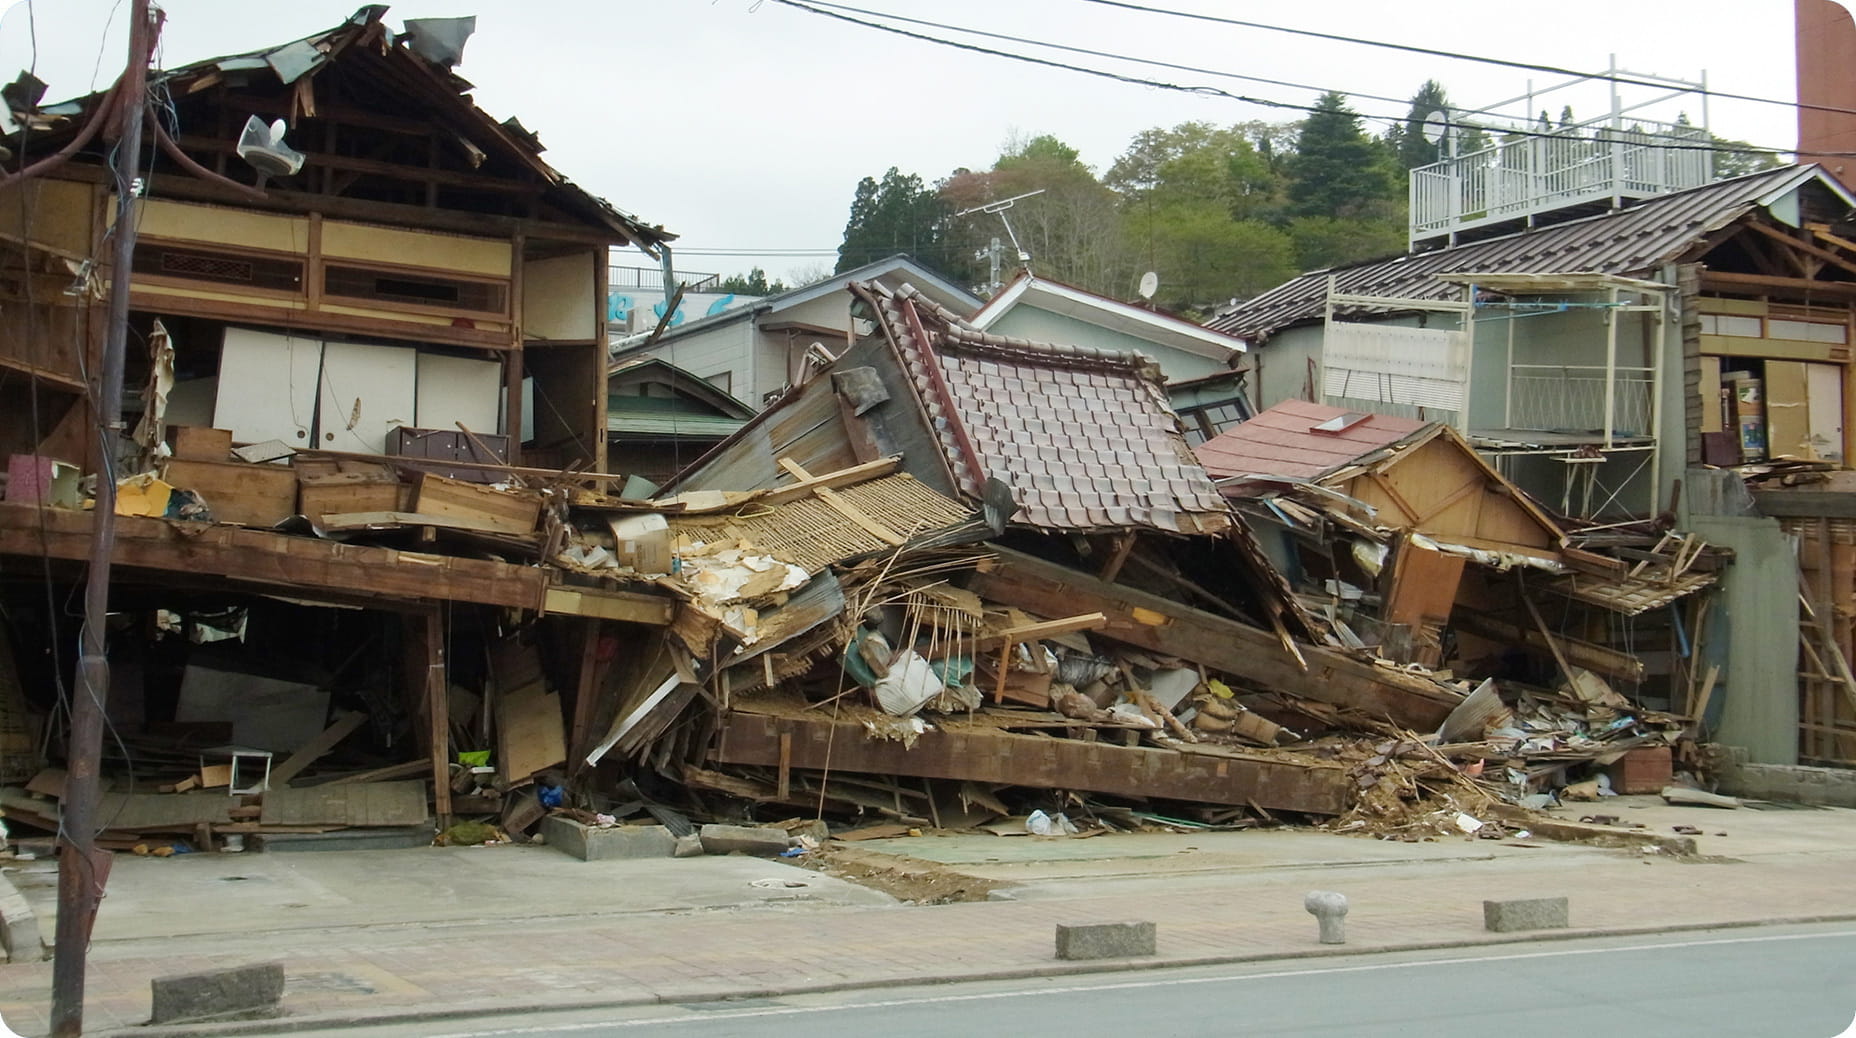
[1201,366]
[1042,310]
[1600,360]
[660,417]
[1204,380]
[755,352]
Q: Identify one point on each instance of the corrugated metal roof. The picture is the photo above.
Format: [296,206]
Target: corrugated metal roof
[1282,442]
[1635,240]
[1084,436]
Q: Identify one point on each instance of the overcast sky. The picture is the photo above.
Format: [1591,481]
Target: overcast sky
[744,125]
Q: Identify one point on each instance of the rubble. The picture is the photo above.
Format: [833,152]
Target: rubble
[935,610]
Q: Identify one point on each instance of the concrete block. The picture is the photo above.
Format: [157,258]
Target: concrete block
[19,926]
[1330,912]
[1533,913]
[593,843]
[239,993]
[689,845]
[1105,940]
[765,841]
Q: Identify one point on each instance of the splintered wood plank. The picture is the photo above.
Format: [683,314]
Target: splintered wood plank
[357,804]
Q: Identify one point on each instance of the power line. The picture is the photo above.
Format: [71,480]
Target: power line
[1436,52]
[1210,91]
[1095,53]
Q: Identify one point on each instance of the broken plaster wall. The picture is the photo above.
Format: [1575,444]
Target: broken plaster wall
[1754,637]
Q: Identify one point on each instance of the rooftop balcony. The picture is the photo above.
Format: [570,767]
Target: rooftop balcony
[1573,172]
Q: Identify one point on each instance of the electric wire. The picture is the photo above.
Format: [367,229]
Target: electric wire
[1624,79]
[1212,91]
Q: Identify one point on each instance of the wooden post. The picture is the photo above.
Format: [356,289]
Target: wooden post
[586,695]
[429,688]
[82,867]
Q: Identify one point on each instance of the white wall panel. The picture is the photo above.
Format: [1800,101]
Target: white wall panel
[267,387]
[366,390]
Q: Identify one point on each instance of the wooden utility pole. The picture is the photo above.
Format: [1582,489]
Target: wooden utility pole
[82,869]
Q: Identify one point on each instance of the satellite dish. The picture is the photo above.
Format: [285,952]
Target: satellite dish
[1436,126]
[1150,283]
[263,146]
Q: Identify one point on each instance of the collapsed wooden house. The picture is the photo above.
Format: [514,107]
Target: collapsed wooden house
[340,361]
[1112,571]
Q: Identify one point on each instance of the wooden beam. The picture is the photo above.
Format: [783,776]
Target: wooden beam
[987,755]
[1596,658]
[1249,654]
[273,562]
[830,480]
[281,313]
[181,187]
[426,661]
[1729,281]
[1119,557]
[312,751]
[629,606]
[586,694]
[1834,259]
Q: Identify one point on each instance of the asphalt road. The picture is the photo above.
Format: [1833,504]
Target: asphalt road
[1763,982]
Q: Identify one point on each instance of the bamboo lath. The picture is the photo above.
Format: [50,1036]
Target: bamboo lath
[812,534]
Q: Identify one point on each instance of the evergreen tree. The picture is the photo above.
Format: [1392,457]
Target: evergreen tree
[753,283]
[1338,170]
[1414,149]
[897,214]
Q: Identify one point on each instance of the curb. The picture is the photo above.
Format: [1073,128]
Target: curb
[402,1015]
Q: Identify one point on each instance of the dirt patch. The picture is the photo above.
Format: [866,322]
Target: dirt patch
[910,880]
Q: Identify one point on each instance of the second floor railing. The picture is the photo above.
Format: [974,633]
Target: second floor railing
[1571,398]
[1526,175]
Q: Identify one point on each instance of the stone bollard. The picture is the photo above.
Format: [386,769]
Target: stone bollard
[1330,910]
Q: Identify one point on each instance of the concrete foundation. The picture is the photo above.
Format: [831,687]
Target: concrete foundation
[764,841]
[1534,913]
[1105,940]
[1736,776]
[593,843]
[243,992]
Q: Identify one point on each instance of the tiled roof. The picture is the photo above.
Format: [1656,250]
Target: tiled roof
[1632,241]
[1280,442]
[1084,437]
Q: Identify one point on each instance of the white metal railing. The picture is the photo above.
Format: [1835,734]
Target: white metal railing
[1525,175]
[1571,398]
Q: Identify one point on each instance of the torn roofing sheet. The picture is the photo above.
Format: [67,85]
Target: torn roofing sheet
[1084,437]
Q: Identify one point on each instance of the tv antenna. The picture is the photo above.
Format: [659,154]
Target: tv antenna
[999,207]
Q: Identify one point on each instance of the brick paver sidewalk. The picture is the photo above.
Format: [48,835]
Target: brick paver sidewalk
[397,972]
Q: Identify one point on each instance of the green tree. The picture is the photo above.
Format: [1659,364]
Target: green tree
[1338,170]
[897,214]
[1326,241]
[753,283]
[1738,158]
[1413,148]
[1072,231]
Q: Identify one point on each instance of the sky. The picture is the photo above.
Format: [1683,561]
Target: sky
[744,125]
